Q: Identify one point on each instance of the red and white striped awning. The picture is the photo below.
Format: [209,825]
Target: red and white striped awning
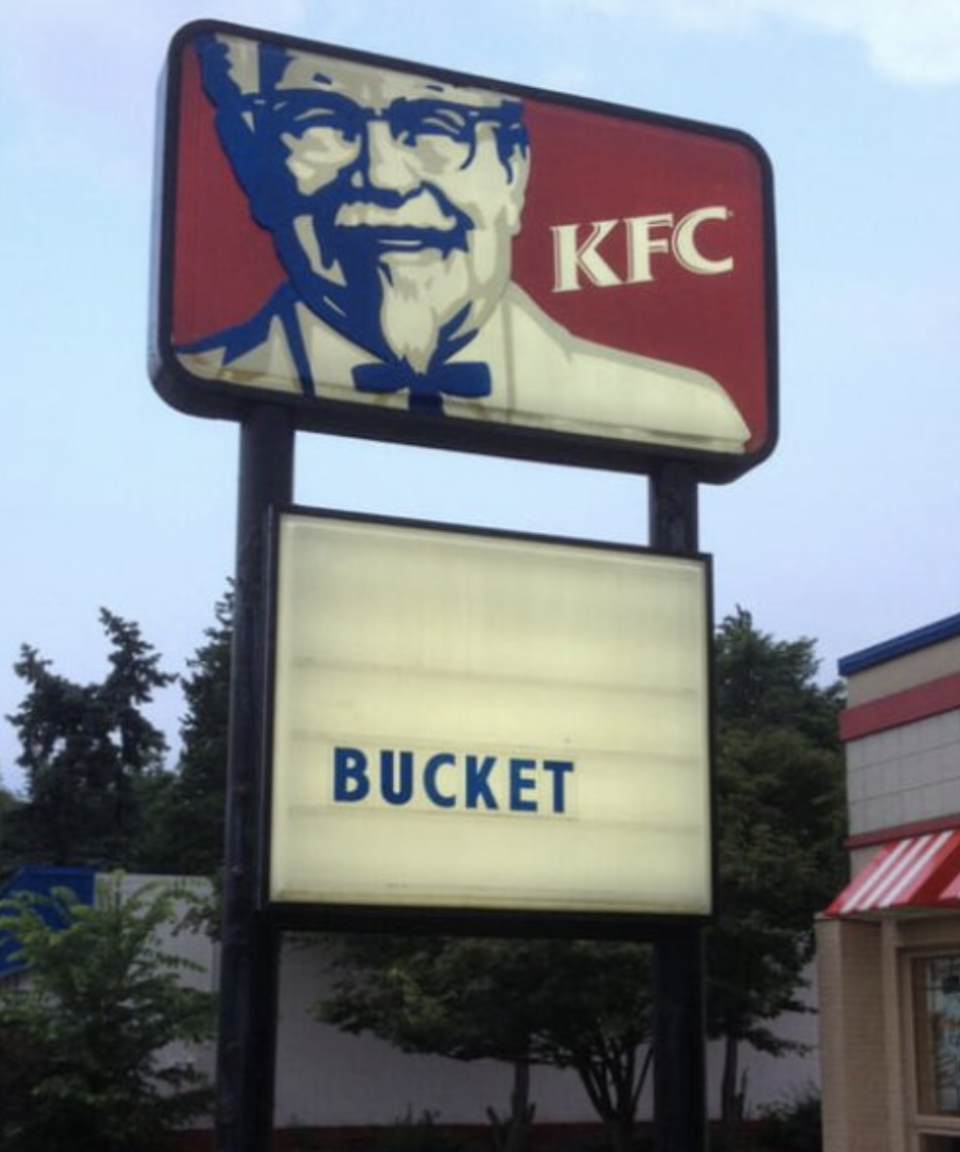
[915,872]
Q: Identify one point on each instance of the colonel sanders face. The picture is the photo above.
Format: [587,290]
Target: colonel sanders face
[392,199]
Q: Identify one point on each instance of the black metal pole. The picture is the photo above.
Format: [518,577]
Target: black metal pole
[249,948]
[679,1033]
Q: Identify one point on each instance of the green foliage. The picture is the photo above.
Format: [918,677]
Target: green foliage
[21,1067]
[10,806]
[438,995]
[98,791]
[781,813]
[576,1004]
[94,1016]
[187,827]
[88,752]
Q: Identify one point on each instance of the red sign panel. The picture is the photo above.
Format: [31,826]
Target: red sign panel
[400,252]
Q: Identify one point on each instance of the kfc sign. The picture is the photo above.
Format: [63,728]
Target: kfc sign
[400,252]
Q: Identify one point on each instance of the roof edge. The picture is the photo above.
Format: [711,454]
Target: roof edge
[930,634]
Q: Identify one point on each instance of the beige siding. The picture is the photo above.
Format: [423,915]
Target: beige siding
[907,671]
[852,1027]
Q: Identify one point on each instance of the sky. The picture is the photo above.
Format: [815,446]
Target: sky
[847,534]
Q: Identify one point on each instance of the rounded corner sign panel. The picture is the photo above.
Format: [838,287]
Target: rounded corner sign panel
[379,245]
[498,724]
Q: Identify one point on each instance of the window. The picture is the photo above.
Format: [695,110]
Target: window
[936,1005]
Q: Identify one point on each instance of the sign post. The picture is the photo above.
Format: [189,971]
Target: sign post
[679,1027]
[246,1030]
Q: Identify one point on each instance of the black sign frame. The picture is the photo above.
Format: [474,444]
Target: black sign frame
[452,919]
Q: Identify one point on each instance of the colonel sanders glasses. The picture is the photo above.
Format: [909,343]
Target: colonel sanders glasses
[326,128]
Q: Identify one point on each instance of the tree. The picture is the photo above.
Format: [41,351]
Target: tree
[87,750]
[94,1019]
[597,1020]
[9,807]
[780,823]
[444,997]
[187,831]
[576,1005]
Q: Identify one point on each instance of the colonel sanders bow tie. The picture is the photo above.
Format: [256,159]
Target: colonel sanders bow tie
[467,381]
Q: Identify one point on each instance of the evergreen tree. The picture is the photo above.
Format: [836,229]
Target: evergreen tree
[87,750]
[10,805]
[187,829]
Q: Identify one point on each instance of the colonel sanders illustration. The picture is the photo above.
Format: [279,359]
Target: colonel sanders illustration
[393,201]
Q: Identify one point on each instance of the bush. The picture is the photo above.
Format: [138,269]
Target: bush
[95,1010]
[794,1126]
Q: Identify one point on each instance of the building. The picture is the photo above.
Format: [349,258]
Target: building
[889,944]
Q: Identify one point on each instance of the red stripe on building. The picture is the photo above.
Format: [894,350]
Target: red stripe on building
[905,707]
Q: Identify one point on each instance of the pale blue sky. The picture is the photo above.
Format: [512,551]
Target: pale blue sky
[847,534]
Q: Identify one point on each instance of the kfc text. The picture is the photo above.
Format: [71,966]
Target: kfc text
[640,238]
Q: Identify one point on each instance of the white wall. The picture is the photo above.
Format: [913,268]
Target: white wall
[325,1077]
[328,1078]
